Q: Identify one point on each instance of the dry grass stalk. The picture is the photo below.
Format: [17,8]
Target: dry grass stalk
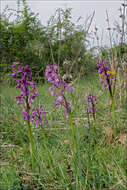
[125,79]
[120,86]
[111,43]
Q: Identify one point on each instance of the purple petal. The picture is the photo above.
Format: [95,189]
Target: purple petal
[19,102]
[13,75]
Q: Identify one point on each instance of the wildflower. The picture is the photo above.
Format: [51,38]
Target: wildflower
[92,105]
[105,74]
[26,97]
[109,73]
[14,75]
[26,115]
[58,87]
[15,64]
[39,117]
[19,102]
[26,86]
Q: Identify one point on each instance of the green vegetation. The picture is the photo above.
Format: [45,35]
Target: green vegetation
[33,44]
[76,153]
[103,156]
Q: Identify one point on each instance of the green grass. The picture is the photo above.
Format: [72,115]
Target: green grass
[102,155]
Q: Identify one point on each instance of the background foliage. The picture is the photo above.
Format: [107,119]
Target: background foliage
[26,40]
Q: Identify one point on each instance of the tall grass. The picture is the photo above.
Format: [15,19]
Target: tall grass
[102,155]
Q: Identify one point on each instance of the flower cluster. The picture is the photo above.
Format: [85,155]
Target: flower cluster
[39,117]
[92,104]
[26,85]
[105,73]
[58,87]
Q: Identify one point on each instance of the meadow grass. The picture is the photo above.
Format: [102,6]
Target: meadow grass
[102,154]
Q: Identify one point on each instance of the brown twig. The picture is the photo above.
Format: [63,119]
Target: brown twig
[110,37]
[85,33]
[59,33]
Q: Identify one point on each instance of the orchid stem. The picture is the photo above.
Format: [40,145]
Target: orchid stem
[113,114]
[74,134]
[31,142]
